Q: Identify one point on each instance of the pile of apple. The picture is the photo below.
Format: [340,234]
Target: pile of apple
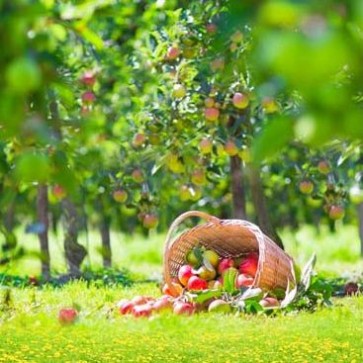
[204,271]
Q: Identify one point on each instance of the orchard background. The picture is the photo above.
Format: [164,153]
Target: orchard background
[116,116]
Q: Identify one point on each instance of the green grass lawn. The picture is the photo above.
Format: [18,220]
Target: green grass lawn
[31,332]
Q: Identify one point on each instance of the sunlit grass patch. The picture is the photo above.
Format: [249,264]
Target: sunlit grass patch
[32,332]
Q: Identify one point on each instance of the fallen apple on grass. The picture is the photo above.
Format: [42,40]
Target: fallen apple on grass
[125,307]
[184,308]
[164,303]
[269,302]
[219,306]
[144,310]
[67,316]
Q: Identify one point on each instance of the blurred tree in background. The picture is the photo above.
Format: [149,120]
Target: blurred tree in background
[120,114]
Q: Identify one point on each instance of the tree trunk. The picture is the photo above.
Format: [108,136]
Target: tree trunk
[42,213]
[237,188]
[74,252]
[106,241]
[9,219]
[360,221]
[259,202]
[105,235]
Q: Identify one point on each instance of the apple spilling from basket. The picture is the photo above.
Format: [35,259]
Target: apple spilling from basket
[207,282]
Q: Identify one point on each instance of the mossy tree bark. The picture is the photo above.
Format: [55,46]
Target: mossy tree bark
[74,252]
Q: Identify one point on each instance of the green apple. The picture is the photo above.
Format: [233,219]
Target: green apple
[206,273]
[212,257]
[219,306]
[240,100]
[193,257]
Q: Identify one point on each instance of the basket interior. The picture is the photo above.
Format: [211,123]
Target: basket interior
[228,240]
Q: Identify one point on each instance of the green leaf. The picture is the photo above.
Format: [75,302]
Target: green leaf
[32,167]
[273,137]
[207,295]
[229,280]
[252,294]
[252,307]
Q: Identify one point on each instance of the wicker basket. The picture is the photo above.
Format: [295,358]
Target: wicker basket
[229,238]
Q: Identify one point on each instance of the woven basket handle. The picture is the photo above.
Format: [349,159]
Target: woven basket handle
[182,218]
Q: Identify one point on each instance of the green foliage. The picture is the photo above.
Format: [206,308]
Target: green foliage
[101,76]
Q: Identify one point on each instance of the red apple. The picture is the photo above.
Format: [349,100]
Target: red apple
[144,310]
[209,102]
[137,175]
[184,274]
[58,191]
[120,195]
[211,28]
[237,37]
[138,140]
[88,97]
[162,304]
[244,280]
[324,167]
[67,315]
[306,187]
[126,307]
[198,177]
[249,264]
[150,221]
[88,78]
[205,146]
[141,300]
[184,308]
[172,53]
[225,264]
[195,283]
[269,302]
[231,148]
[240,100]
[217,64]
[336,212]
[211,113]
